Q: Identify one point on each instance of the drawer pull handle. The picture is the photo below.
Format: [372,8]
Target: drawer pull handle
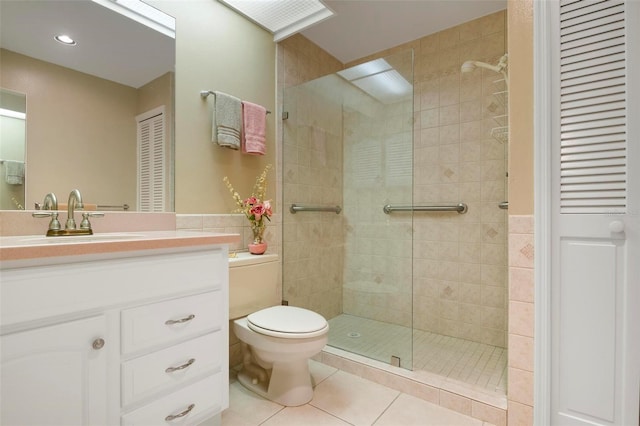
[171,417]
[181,320]
[181,367]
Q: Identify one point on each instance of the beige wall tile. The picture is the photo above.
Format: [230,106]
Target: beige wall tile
[455,402]
[521,284]
[487,413]
[520,414]
[520,386]
[521,352]
[521,320]
[521,250]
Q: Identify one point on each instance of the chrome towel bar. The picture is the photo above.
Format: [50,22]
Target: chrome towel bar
[460,208]
[302,208]
[204,94]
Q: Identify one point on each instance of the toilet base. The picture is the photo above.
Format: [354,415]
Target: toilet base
[290,385]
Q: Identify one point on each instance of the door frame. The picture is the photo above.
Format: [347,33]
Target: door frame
[542,132]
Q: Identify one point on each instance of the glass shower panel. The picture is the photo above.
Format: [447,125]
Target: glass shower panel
[348,142]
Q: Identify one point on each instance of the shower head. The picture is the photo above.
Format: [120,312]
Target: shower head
[468,66]
[501,67]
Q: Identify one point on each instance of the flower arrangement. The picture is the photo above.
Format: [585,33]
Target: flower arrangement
[255,207]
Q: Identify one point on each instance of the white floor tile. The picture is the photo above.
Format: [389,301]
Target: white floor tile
[306,415]
[320,371]
[247,408]
[407,410]
[352,398]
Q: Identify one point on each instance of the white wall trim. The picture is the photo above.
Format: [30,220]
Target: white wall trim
[542,135]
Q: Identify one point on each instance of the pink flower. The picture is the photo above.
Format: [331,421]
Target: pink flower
[267,209]
[251,201]
[257,211]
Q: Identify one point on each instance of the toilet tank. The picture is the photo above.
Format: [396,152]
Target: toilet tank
[253,283]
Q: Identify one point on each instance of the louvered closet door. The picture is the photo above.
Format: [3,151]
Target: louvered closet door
[596,214]
[151,165]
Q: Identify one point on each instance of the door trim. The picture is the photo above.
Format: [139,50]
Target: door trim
[542,134]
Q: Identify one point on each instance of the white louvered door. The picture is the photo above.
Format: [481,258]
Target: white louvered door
[595,218]
[151,163]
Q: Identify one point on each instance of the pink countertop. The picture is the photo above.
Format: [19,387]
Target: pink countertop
[38,246]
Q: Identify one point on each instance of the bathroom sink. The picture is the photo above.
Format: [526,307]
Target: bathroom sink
[73,239]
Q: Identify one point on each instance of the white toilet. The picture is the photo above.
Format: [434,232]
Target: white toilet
[277,341]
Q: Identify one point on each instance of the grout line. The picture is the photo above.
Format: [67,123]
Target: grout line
[386,409]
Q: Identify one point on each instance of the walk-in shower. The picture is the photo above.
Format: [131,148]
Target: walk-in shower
[391,224]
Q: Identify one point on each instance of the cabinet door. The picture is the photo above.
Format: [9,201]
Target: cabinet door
[55,375]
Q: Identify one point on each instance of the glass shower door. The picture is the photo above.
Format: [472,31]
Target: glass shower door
[348,142]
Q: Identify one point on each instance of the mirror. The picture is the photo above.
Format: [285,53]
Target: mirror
[13,110]
[83,102]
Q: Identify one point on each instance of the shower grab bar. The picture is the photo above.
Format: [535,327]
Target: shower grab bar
[301,208]
[460,208]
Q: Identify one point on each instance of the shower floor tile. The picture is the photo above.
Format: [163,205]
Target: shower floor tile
[470,362]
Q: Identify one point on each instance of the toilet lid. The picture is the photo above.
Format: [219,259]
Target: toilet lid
[287,321]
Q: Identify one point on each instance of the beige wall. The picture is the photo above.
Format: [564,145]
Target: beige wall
[520,34]
[217,49]
[80,132]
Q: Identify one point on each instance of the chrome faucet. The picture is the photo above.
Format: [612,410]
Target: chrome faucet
[50,202]
[75,202]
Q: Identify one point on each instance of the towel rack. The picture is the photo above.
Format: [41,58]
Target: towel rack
[460,208]
[205,93]
[124,207]
[302,208]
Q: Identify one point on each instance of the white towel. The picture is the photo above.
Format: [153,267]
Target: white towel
[227,121]
[14,172]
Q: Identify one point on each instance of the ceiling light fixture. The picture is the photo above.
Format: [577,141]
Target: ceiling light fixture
[65,39]
[380,80]
[283,18]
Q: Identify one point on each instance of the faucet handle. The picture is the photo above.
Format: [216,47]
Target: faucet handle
[54,224]
[85,224]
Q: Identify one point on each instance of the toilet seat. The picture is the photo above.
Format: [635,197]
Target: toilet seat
[288,322]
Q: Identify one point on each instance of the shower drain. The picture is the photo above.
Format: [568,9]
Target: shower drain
[353,334]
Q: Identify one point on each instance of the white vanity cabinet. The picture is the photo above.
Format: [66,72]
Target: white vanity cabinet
[139,338]
[55,375]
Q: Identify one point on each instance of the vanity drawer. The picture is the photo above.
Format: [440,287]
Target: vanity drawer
[205,395]
[170,321]
[147,375]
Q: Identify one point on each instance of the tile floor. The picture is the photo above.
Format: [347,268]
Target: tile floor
[470,362]
[340,399]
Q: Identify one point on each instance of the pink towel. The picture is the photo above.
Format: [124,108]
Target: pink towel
[254,119]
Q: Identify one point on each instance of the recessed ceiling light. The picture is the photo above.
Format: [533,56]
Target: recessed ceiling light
[65,39]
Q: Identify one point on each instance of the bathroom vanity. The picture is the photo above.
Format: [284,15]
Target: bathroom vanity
[130,330]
